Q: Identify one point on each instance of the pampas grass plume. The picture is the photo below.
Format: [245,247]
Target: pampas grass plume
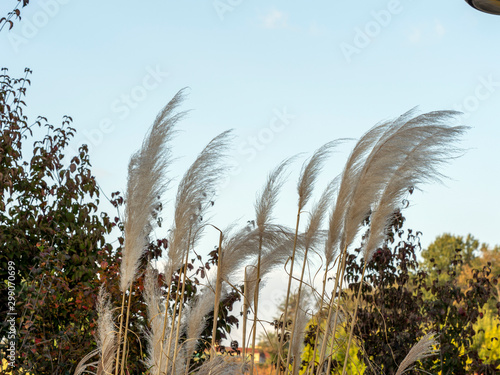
[146,183]
[422,349]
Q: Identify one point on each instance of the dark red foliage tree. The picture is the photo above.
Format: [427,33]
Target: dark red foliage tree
[54,237]
[401,302]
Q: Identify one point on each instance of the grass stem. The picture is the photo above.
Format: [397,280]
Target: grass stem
[124,350]
[117,361]
[351,334]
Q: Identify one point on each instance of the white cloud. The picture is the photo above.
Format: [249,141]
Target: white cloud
[428,33]
[439,28]
[316,30]
[275,19]
[415,36]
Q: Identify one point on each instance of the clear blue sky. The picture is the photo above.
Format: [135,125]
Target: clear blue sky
[337,68]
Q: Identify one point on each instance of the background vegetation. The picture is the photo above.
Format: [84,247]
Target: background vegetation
[51,227]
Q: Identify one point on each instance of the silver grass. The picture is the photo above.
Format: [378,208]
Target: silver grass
[266,201]
[310,172]
[177,354]
[418,167]
[157,346]
[180,360]
[220,365]
[422,349]
[192,200]
[340,319]
[350,226]
[317,215]
[237,249]
[82,366]
[271,258]
[263,211]
[146,182]
[389,152]
[196,318]
[348,180]
[312,236]
[387,156]
[299,327]
[106,334]
[356,195]
[305,187]
[243,246]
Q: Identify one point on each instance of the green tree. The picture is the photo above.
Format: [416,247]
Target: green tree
[442,251]
[53,233]
[401,301]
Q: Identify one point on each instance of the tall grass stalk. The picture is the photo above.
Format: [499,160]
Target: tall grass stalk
[285,314]
[155,336]
[353,323]
[127,316]
[218,286]
[173,324]
[164,327]
[305,187]
[402,158]
[117,360]
[145,184]
[245,313]
[197,184]
[337,309]
[421,350]
[263,207]
[386,162]
[256,306]
[337,285]
[181,308]
[310,238]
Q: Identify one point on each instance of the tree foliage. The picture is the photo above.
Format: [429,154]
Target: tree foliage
[402,301]
[52,230]
[390,319]
[438,255]
[13,15]
[49,227]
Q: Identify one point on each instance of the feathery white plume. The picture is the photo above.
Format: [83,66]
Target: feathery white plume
[196,318]
[349,179]
[157,345]
[418,166]
[239,248]
[193,199]
[317,215]
[106,335]
[267,200]
[299,328]
[146,182]
[220,365]
[82,366]
[422,349]
[271,258]
[389,152]
[310,172]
